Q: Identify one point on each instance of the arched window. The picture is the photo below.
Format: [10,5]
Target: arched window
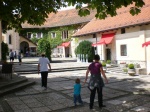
[9,39]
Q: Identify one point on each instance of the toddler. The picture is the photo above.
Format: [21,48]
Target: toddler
[77,90]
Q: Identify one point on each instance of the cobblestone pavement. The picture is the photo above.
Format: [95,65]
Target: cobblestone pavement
[124,93]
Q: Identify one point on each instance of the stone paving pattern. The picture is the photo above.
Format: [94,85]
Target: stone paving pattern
[124,93]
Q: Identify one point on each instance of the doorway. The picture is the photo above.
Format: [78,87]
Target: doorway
[67,52]
[108,54]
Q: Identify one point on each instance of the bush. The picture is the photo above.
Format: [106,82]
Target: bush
[85,47]
[103,64]
[44,47]
[108,62]
[131,66]
[125,70]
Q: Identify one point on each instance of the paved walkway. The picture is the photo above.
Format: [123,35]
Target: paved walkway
[124,93]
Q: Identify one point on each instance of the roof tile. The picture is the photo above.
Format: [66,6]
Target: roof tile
[62,18]
[123,19]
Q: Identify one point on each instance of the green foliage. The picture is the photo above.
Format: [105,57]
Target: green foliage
[105,8]
[131,66]
[55,41]
[108,61]
[35,40]
[125,70]
[85,47]
[24,32]
[104,64]
[4,51]
[44,47]
[13,12]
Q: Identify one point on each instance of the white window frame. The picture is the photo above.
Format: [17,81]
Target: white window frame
[65,34]
[123,50]
[28,35]
[53,34]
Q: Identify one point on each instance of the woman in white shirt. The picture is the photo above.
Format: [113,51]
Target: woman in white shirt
[43,68]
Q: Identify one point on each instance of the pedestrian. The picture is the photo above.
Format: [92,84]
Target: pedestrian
[43,68]
[11,55]
[15,55]
[96,82]
[77,91]
[20,58]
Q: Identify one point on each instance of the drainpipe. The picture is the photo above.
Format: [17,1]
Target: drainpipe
[145,53]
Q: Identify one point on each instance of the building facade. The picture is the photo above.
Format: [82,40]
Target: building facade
[120,38]
[16,42]
[59,28]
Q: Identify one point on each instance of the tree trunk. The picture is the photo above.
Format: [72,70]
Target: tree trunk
[0,40]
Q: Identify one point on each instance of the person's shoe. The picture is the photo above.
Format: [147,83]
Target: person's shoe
[101,106]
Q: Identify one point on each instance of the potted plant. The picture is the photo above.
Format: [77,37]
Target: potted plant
[131,70]
[108,63]
[104,66]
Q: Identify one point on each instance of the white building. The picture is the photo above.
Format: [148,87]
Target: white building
[120,38]
[16,42]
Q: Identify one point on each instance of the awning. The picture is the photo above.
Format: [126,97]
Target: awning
[106,39]
[146,44]
[65,44]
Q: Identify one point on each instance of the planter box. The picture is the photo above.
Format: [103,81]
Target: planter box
[131,72]
[108,65]
[123,65]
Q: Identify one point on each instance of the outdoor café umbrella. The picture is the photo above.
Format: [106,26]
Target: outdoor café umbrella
[146,44]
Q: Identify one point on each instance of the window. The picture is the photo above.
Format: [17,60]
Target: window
[94,35]
[9,39]
[29,35]
[123,49]
[53,34]
[123,31]
[39,35]
[64,34]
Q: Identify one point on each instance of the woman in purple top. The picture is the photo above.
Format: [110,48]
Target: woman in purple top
[96,81]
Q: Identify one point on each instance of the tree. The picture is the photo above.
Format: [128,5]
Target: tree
[4,51]
[105,7]
[35,40]
[15,12]
[84,48]
[44,47]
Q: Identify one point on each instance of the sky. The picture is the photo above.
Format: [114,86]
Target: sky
[66,8]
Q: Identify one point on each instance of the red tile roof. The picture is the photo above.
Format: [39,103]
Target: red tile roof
[123,19]
[63,18]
